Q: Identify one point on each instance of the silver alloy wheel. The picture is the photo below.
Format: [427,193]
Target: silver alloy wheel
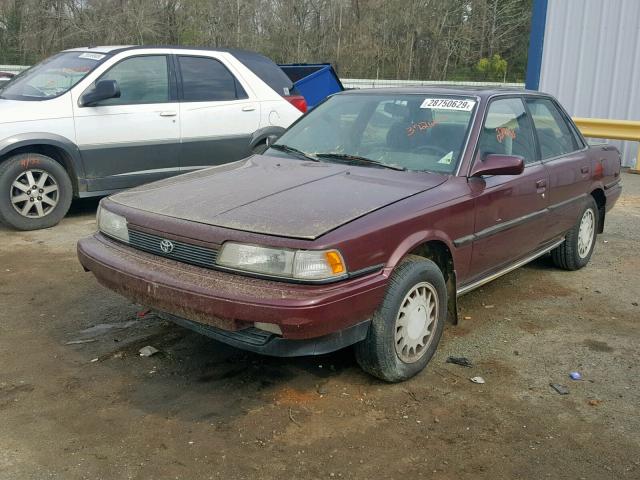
[586,233]
[34,193]
[415,322]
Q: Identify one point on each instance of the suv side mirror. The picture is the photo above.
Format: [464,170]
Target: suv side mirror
[494,164]
[103,90]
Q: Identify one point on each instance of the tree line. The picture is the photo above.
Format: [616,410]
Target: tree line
[395,39]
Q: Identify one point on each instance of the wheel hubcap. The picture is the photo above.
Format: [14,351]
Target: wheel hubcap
[586,233]
[415,322]
[34,193]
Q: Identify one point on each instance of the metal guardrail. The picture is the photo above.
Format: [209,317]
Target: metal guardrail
[12,68]
[385,83]
[612,129]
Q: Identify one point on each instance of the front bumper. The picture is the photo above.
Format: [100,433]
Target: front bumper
[227,301]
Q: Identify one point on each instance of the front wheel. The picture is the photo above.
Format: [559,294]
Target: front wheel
[575,252]
[406,329]
[35,191]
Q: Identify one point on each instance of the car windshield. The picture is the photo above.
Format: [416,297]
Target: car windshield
[404,132]
[52,77]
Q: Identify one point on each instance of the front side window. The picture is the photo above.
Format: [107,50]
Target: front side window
[554,135]
[52,77]
[207,80]
[507,131]
[141,80]
[413,132]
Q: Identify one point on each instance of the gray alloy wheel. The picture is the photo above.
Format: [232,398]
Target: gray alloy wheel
[406,328]
[35,191]
[577,248]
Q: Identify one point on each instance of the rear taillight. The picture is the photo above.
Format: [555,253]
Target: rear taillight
[297,101]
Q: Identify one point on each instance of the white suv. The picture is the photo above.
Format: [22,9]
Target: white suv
[91,121]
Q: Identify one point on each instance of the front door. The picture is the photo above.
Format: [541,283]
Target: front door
[218,114]
[133,139]
[511,210]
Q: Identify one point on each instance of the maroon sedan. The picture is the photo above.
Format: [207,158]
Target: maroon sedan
[361,224]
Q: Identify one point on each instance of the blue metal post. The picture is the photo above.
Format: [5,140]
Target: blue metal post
[536,44]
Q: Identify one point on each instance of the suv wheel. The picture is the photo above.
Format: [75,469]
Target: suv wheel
[579,243]
[406,329]
[35,191]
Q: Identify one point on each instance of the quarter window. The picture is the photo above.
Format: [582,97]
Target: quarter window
[206,80]
[507,131]
[141,80]
[554,135]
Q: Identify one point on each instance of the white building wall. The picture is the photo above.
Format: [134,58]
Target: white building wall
[591,60]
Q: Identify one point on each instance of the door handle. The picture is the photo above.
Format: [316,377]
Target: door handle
[584,169]
[168,114]
[541,184]
[248,108]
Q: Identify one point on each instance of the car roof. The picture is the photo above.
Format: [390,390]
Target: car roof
[461,90]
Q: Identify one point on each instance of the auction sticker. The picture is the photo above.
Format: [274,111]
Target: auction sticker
[448,104]
[92,56]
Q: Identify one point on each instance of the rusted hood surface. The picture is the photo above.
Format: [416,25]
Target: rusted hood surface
[277,196]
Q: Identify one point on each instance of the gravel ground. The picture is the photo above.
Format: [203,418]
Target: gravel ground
[199,409]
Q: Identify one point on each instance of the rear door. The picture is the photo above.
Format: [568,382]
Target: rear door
[219,113]
[510,211]
[566,158]
[133,139]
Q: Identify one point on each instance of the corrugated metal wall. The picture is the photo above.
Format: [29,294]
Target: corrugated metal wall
[591,60]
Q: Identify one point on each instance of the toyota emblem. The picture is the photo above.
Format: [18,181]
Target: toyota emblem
[167,246]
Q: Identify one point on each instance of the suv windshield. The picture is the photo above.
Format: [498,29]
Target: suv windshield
[52,77]
[412,132]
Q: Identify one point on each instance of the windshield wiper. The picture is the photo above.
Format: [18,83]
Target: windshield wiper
[294,151]
[357,158]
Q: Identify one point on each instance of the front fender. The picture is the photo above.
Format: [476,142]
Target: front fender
[416,239]
[73,157]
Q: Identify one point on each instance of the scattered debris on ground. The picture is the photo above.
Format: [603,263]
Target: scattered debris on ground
[148,351]
[462,361]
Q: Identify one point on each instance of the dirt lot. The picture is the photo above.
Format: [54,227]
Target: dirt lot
[200,409]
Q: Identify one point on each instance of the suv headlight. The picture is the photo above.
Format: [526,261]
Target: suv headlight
[112,224]
[310,265]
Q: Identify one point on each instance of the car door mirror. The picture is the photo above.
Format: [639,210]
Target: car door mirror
[103,90]
[494,164]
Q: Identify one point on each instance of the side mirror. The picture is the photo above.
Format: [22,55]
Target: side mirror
[103,90]
[494,164]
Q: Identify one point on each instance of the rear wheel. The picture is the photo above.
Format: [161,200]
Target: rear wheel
[579,243]
[35,192]
[406,329]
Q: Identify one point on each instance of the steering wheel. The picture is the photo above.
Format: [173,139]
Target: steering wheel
[437,151]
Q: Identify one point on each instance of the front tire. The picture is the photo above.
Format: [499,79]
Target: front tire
[406,328]
[577,248]
[35,192]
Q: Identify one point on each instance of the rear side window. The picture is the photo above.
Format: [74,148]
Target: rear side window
[208,80]
[554,134]
[507,130]
[141,80]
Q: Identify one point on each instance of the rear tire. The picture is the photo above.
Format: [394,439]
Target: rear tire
[35,192]
[406,328]
[579,243]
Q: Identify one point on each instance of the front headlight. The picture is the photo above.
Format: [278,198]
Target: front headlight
[112,225]
[280,262]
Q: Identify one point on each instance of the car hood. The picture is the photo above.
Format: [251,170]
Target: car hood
[22,111]
[278,196]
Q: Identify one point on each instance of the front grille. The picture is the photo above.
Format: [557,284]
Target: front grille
[182,252]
